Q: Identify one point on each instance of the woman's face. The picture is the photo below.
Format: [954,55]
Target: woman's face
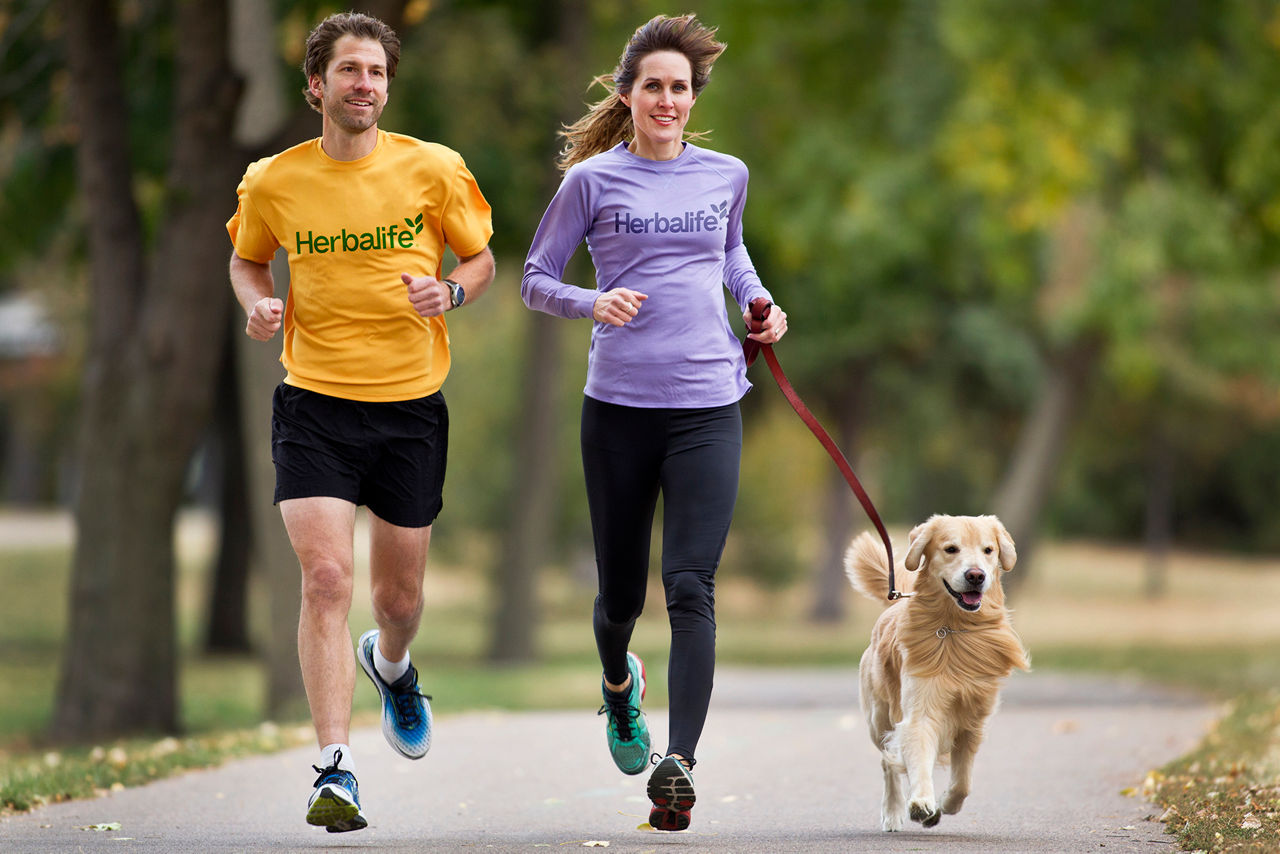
[660,101]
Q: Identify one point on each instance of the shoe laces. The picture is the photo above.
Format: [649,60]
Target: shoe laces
[687,762]
[621,714]
[332,773]
[406,698]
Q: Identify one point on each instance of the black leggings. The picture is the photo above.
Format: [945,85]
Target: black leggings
[692,457]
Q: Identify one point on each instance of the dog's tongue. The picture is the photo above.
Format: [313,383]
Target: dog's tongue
[973,597]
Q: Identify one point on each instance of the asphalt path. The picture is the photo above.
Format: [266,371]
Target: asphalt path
[785,765]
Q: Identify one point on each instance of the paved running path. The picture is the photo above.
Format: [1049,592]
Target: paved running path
[785,766]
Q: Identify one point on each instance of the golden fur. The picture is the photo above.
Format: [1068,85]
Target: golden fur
[931,677]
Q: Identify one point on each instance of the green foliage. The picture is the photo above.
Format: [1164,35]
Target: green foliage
[942,194]
[36,177]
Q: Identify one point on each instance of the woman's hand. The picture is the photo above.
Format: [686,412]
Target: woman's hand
[775,325]
[618,306]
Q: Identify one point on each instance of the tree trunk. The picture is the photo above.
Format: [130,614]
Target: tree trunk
[273,558]
[152,358]
[830,585]
[1024,491]
[1021,498]
[525,540]
[263,112]
[227,629]
[1159,514]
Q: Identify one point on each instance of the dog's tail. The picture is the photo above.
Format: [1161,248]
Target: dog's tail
[867,566]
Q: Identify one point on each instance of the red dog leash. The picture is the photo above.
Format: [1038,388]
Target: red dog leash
[750,349]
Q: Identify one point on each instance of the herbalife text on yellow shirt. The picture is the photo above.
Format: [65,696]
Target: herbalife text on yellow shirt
[350,228]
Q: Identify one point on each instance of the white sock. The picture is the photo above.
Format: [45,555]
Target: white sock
[329,755]
[389,670]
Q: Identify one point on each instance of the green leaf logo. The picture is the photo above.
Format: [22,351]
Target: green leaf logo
[415,223]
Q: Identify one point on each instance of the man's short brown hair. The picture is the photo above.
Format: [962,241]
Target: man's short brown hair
[321,40]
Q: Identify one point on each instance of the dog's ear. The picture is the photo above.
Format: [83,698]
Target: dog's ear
[1008,554]
[917,542]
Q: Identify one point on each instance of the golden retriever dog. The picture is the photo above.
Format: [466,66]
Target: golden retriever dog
[930,679]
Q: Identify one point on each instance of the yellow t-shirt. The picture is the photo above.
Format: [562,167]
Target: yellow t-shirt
[350,229]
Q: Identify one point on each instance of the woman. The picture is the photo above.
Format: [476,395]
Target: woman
[662,219]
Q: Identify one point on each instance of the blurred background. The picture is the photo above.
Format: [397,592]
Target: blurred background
[1029,249]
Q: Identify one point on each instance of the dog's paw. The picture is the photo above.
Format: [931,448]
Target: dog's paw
[892,822]
[925,812]
[952,802]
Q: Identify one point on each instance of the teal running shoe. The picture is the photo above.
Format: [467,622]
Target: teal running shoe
[406,711]
[625,726]
[335,803]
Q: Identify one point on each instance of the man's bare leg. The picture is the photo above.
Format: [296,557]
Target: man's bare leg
[321,530]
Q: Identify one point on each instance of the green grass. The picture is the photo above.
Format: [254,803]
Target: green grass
[1223,797]
[1220,671]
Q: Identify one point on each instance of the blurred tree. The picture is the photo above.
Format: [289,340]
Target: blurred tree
[511,447]
[157,271]
[561,34]
[227,627]
[159,306]
[850,219]
[1152,118]
[264,112]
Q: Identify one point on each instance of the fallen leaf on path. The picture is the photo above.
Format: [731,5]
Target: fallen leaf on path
[106,825]
[596,843]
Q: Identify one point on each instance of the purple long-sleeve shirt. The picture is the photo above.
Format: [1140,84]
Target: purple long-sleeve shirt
[671,229]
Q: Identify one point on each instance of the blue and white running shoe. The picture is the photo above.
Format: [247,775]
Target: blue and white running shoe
[335,803]
[406,711]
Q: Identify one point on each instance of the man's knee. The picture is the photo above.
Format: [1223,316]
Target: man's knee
[397,604]
[326,585]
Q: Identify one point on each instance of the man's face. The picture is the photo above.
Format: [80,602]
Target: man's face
[353,89]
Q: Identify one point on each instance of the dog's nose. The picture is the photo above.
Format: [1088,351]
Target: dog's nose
[975,577]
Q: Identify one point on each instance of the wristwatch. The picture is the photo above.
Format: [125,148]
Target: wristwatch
[457,295]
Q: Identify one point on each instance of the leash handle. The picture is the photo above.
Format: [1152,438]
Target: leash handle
[750,349]
[759,308]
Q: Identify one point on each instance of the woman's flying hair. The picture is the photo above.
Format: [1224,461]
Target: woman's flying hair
[609,122]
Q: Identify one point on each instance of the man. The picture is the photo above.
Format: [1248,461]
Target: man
[364,216]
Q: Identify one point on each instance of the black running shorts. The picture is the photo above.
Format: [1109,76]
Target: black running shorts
[388,456]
